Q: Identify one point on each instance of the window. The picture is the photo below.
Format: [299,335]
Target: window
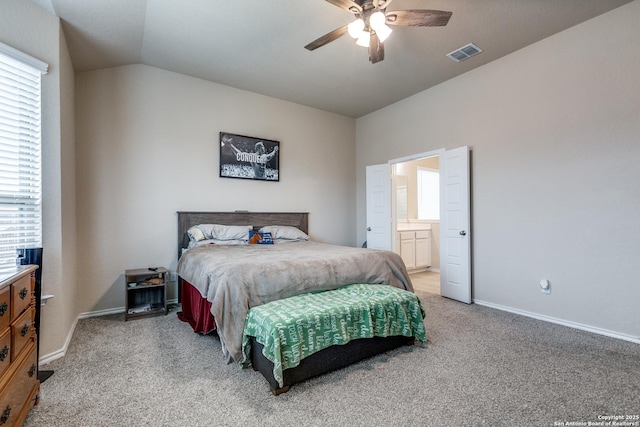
[428,194]
[20,183]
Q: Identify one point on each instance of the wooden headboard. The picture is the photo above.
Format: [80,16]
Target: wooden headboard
[187,220]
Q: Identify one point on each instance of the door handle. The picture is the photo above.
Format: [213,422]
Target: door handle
[463,233]
[368,228]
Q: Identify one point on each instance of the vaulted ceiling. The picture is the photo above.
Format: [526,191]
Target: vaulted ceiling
[259,45]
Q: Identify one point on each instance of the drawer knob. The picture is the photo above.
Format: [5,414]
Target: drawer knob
[5,415]
[23,293]
[4,353]
[24,330]
[32,370]
[3,308]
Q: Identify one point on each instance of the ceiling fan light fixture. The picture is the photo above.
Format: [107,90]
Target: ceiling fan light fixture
[369,27]
[363,40]
[377,20]
[355,28]
[383,32]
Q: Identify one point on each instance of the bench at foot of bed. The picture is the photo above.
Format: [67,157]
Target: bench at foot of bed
[293,339]
[327,360]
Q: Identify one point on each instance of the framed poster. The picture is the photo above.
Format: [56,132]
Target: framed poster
[249,158]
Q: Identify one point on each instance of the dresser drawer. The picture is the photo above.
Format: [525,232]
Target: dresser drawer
[21,292]
[5,350]
[21,388]
[5,307]
[22,331]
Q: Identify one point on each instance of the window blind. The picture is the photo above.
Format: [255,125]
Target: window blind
[428,194]
[20,177]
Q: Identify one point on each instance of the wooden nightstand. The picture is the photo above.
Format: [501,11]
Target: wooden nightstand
[146,292]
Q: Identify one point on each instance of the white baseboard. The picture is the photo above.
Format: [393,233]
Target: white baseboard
[43,360]
[101,313]
[47,358]
[562,322]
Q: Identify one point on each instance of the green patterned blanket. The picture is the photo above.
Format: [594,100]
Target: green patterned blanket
[293,328]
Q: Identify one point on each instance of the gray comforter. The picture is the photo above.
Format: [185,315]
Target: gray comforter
[236,278]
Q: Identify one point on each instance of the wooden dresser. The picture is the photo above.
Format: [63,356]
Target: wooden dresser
[19,385]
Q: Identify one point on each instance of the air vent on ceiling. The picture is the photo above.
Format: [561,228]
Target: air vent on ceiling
[464,52]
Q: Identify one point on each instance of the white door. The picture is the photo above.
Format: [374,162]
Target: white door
[455,269]
[378,188]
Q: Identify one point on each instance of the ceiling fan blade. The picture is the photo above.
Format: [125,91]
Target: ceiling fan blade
[348,5]
[418,18]
[376,49]
[381,4]
[327,38]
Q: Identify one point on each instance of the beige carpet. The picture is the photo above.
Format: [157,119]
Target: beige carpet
[480,367]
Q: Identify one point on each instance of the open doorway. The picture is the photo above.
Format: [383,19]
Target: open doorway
[416,210]
[452,247]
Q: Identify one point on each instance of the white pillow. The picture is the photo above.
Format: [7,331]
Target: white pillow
[219,232]
[284,232]
[195,234]
[206,229]
[231,232]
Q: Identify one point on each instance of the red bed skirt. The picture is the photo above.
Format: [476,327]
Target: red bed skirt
[196,310]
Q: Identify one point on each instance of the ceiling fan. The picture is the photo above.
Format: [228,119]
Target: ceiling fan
[370,28]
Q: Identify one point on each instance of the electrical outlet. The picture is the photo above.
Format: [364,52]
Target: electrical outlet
[173,276]
[545,286]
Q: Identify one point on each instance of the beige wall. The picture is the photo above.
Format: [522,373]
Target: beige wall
[27,27]
[555,179]
[147,146]
[66,298]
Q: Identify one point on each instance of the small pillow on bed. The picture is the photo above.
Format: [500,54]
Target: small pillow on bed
[195,234]
[284,232]
[231,232]
[257,238]
[206,229]
[219,232]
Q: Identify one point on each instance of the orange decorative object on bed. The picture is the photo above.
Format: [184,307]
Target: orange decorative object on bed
[256,238]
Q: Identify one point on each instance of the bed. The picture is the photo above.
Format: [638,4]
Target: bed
[218,284]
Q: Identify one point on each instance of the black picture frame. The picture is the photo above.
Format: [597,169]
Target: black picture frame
[246,157]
